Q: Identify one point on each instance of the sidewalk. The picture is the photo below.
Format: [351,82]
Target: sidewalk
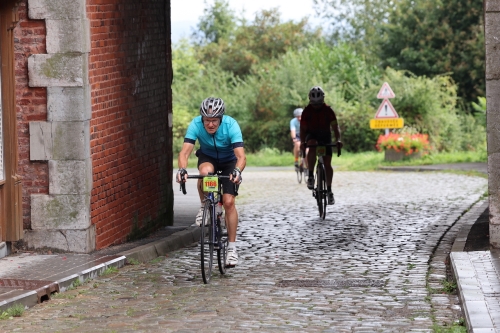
[29,278]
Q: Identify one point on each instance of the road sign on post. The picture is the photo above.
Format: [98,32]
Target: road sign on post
[386,110]
[386,116]
[385,92]
[386,123]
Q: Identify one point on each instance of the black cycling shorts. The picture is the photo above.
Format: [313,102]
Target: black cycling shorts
[321,138]
[224,169]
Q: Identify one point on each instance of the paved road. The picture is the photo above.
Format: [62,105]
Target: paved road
[370,266]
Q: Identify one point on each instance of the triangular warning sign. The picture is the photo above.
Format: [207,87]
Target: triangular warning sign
[386,110]
[386,91]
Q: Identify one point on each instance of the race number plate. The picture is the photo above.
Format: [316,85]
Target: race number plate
[320,150]
[210,184]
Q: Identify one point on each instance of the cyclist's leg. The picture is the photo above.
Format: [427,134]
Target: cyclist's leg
[327,160]
[229,202]
[305,160]
[231,216]
[311,154]
[329,177]
[296,149]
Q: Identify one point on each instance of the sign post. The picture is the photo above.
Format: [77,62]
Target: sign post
[386,116]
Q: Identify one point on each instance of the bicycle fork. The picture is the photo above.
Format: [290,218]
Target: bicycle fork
[318,170]
[215,233]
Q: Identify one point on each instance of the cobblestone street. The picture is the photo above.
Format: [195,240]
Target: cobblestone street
[368,267]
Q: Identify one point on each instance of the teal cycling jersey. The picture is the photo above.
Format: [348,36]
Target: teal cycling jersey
[295,125]
[219,145]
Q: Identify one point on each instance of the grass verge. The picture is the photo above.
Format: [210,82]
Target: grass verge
[365,161]
[16,310]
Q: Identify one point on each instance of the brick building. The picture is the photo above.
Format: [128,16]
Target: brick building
[86,141]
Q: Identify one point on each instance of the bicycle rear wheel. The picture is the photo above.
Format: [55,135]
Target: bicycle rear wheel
[222,250]
[206,243]
[321,190]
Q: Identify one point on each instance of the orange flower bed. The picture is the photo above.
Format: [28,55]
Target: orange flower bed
[408,143]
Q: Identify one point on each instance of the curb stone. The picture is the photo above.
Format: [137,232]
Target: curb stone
[475,304]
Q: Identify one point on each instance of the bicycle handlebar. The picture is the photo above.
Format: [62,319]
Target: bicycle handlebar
[183,184]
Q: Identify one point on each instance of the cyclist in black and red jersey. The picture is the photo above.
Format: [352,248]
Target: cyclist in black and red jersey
[317,123]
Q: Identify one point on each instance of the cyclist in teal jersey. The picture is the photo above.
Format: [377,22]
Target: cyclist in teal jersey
[295,134]
[221,151]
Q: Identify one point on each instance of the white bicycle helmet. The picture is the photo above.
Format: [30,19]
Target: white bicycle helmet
[297,112]
[215,104]
[316,95]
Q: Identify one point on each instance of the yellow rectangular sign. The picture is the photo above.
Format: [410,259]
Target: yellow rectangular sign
[386,123]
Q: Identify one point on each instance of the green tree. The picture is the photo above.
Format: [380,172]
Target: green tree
[431,37]
[184,62]
[257,42]
[218,22]
[357,22]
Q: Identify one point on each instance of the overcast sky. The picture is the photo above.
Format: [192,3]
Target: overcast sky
[185,13]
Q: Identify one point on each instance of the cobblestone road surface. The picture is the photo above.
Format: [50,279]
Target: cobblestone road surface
[369,267]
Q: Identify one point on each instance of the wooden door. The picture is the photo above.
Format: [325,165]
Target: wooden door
[11,227]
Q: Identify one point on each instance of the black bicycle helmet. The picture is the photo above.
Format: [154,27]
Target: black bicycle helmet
[316,95]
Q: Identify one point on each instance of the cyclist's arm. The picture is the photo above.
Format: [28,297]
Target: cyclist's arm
[336,130]
[241,159]
[293,132]
[187,149]
[303,130]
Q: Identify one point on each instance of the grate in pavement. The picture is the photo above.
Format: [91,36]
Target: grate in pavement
[13,287]
[344,283]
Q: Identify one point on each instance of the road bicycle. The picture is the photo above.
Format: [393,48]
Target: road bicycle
[212,238]
[320,191]
[300,169]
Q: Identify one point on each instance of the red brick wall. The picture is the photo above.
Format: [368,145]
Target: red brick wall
[129,131]
[31,104]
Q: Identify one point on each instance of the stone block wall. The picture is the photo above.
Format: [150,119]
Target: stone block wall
[61,218]
[492,44]
[31,104]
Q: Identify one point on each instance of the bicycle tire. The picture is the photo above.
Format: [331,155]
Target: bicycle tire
[299,175]
[222,250]
[320,190]
[324,197]
[206,243]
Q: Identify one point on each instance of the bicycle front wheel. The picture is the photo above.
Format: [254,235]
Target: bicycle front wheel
[206,243]
[321,190]
[222,250]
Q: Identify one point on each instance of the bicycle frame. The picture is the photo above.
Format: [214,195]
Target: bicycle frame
[320,191]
